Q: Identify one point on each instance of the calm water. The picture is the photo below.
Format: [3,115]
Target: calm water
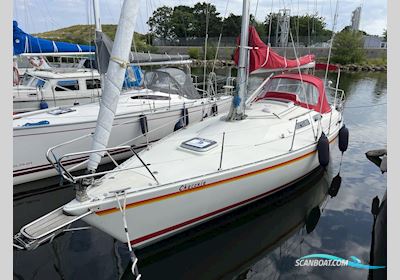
[261,241]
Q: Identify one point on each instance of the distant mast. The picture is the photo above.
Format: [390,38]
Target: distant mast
[237,108]
[98,32]
[96,11]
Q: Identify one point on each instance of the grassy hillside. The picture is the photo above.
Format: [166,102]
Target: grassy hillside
[84,34]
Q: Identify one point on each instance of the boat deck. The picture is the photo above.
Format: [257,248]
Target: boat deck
[89,112]
[270,134]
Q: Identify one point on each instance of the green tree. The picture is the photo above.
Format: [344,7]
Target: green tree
[183,22]
[202,11]
[161,23]
[348,47]
[231,26]
[385,34]
[348,28]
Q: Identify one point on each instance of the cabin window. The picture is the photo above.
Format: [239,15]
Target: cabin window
[302,124]
[67,85]
[93,84]
[151,97]
[306,93]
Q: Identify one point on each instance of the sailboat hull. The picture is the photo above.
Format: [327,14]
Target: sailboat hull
[155,215]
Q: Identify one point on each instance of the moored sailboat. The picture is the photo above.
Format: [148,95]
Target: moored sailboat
[268,141]
[142,114]
[160,105]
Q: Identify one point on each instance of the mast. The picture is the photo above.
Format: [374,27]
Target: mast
[238,103]
[113,81]
[96,11]
[98,36]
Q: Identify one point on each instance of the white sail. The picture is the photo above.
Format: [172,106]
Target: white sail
[114,79]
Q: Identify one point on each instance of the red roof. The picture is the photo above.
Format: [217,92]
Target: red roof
[317,82]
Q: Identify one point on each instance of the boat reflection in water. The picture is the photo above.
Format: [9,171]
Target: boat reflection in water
[226,247]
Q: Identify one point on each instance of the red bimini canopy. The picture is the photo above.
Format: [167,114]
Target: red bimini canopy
[262,56]
[320,105]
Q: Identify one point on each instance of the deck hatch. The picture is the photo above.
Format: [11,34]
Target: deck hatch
[199,144]
[60,111]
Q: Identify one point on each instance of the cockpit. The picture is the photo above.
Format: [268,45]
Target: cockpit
[305,90]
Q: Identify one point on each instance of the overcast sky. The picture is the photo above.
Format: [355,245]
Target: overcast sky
[43,15]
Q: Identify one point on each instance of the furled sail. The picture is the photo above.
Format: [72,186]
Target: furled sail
[113,81]
[26,43]
[263,57]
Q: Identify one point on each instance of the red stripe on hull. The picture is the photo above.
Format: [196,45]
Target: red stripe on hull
[214,213]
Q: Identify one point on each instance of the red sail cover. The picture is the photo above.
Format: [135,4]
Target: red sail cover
[262,56]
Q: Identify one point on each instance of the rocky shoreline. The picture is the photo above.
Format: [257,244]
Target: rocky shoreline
[345,68]
[362,68]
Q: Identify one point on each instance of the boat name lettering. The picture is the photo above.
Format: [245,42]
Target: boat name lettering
[191,186]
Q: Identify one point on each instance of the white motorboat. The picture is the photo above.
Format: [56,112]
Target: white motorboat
[41,85]
[279,134]
[55,88]
[161,103]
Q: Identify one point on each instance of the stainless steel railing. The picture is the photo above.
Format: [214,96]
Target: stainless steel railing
[67,175]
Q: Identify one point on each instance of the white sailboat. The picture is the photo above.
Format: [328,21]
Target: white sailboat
[270,140]
[37,85]
[142,115]
[161,105]
[48,85]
